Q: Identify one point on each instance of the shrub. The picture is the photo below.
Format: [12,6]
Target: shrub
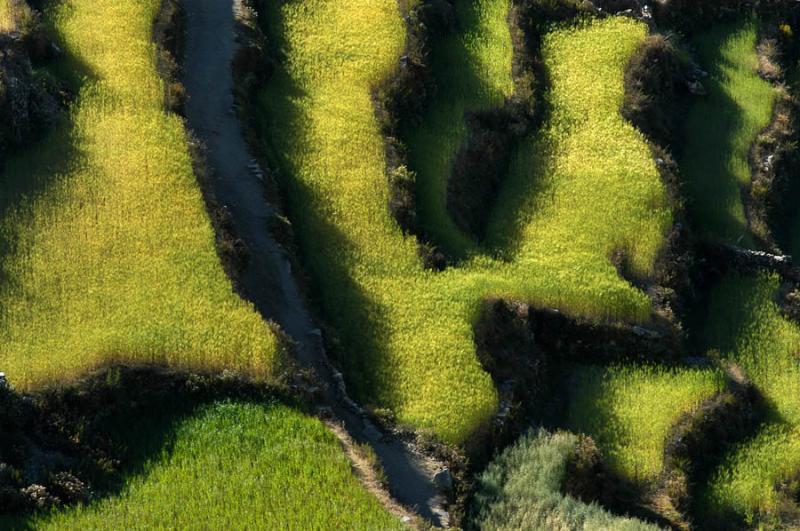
[521,489]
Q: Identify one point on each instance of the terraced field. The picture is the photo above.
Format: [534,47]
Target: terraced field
[721,129]
[235,465]
[473,73]
[747,326]
[630,410]
[107,253]
[407,331]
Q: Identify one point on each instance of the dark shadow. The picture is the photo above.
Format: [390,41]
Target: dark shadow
[707,149]
[358,320]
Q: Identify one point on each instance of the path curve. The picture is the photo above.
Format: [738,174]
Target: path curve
[267,280]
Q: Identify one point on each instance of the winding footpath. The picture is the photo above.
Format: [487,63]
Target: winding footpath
[267,280]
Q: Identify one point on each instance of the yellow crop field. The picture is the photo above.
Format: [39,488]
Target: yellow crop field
[585,188]
[749,328]
[106,251]
[629,411]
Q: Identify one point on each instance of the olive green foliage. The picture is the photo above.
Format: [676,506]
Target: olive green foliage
[236,466]
[106,250]
[521,489]
[406,332]
[721,128]
[629,411]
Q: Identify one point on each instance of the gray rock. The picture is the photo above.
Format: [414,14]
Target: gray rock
[3,381]
[444,480]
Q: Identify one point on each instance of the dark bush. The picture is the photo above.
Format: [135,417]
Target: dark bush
[478,169]
[654,83]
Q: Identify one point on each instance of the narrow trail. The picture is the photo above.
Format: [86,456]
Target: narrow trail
[267,280]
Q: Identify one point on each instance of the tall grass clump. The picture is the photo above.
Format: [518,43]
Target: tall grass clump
[588,187]
[629,411]
[107,253]
[473,70]
[721,128]
[747,327]
[521,489]
[237,466]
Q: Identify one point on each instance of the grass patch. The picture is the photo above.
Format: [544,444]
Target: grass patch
[721,128]
[521,489]
[408,332]
[106,251]
[747,326]
[235,465]
[629,411]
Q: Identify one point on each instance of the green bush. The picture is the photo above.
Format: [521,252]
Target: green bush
[521,489]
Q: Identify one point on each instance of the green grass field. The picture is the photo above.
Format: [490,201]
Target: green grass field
[407,332]
[236,466]
[521,489]
[472,69]
[107,253]
[629,411]
[721,128]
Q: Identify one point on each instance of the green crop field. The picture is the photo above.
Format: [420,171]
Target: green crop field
[106,250]
[407,332]
[238,466]
[721,128]
[629,411]
[742,321]
[108,255]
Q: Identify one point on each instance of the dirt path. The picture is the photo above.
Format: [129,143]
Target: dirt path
[268,280]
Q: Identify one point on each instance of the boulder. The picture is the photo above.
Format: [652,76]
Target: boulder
[444,480]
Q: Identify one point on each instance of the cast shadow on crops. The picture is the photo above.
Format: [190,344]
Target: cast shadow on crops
[28,172]
[359,320]
[457,75]
[713,123]
[133,413]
